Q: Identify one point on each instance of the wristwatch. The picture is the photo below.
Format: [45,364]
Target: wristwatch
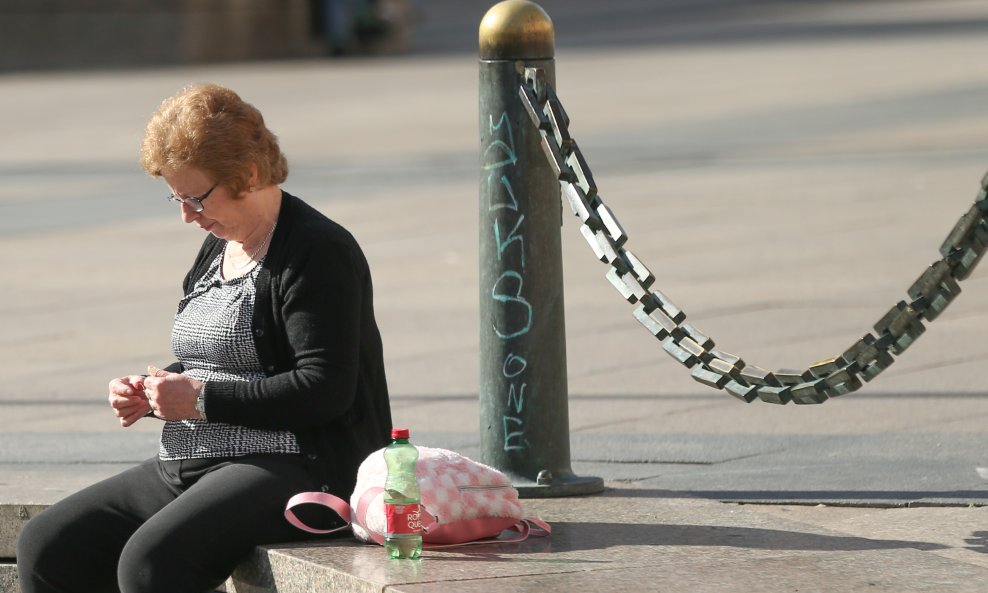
[201,402]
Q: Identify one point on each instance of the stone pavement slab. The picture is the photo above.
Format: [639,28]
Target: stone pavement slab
[653,540]
[657,540]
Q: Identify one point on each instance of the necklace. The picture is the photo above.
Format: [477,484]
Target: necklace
[250,257]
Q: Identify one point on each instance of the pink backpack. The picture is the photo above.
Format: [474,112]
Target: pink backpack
[463,502]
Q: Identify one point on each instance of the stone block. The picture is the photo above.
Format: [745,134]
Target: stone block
[12,518]
[8,577]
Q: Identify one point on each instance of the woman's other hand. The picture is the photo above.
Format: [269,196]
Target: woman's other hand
[172,395]
[128,400]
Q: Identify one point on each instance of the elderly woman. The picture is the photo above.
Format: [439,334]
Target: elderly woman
[278,387]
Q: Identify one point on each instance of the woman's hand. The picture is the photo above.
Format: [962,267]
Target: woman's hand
[128,400]
[172,396]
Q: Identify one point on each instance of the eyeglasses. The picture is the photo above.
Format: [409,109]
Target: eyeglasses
[192,202]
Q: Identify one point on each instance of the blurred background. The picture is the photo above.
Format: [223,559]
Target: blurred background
[93,34]
[51,34]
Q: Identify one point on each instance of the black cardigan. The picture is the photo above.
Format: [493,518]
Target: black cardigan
[319,344]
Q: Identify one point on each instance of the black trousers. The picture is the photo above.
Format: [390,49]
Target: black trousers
[163,526]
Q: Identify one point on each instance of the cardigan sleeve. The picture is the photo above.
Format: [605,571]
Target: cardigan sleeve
[317,299]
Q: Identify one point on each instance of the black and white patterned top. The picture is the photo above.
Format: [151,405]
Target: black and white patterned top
[212,339]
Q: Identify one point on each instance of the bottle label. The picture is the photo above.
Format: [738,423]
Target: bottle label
[403,518]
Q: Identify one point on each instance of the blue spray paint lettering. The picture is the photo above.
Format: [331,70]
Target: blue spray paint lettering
[512,237]
[512,311]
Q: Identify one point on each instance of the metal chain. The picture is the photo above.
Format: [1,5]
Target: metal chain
[929,295]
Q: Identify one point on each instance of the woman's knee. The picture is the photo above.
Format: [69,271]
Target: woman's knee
[38,543]
[141,565]
[153,562]
[44,553]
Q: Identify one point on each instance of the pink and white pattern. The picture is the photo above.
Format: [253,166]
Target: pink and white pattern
[467,499]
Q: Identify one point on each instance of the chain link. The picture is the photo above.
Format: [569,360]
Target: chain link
[929,295]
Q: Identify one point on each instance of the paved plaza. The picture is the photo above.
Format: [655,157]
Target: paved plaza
[787,170]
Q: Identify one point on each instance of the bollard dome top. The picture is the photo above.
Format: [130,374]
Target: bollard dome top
[516,30]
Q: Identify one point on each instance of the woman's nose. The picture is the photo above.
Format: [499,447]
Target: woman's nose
[188,214]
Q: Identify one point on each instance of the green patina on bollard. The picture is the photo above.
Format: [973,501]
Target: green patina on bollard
[524,428]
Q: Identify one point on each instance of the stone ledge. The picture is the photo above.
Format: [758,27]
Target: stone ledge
[12,518]
[284,570]
[8,577]
[629,539]
[278,569]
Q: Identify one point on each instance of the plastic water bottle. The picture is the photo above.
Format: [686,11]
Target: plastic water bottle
[403,537]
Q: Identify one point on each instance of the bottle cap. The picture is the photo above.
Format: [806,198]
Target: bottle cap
[399,433]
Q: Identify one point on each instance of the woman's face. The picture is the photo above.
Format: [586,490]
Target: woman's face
[222,215]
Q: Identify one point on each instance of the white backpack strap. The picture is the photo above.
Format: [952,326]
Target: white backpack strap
[335,503]
[360,513]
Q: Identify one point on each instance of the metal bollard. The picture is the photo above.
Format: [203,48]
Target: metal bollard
[524,420]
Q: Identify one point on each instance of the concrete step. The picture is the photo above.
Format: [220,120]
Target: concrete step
[8,577]
[12,518]
[9,584]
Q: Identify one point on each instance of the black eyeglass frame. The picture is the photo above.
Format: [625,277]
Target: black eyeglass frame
[192,201]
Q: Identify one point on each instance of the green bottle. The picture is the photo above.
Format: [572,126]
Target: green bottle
[403,537]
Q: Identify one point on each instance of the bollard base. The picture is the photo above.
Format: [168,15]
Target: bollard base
[559,486]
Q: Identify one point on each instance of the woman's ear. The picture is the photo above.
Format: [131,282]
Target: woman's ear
[253,178]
